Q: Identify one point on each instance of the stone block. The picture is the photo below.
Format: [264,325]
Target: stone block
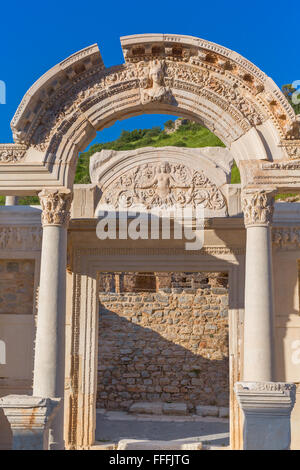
[207,410]
[134,444]
[223,412]
[151,408]
[175,409]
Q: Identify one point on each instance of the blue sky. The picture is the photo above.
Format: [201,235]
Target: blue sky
[37,35]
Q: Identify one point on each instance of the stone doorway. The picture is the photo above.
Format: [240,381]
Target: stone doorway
[163,346]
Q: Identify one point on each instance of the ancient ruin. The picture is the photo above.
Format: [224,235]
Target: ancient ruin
[85,312]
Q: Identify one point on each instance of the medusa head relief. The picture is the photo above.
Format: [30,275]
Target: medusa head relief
[153,84]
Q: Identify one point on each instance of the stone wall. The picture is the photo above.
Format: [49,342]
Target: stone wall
[168,342]
[16,286]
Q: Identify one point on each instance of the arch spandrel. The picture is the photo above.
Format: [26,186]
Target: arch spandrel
[170,74]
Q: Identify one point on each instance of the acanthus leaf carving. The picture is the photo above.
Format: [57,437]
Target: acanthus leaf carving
[56,205]
[293,131]
[292,148]
[258,206]
[12,153]
[286,236]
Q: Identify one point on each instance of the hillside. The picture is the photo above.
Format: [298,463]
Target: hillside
[182,134]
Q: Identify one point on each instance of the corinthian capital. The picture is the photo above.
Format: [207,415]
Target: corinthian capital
[258,206]
[56,206]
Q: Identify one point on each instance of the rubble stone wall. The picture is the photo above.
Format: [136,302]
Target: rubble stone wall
[16,286]
[167,342]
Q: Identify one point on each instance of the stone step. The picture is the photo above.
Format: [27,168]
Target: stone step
[215,411]
[104,446]
[135,444]
[158,408]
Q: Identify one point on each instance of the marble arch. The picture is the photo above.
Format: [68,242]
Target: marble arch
[182,75]
[56,119]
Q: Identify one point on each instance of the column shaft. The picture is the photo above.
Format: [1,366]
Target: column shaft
[11,200]
[50,337]
[258,320]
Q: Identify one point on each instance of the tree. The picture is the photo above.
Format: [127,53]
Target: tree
[288,90]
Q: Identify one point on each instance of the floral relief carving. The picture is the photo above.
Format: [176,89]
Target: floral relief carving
[292,149]
[155,79]
[284,236]
[11,153]
[56,207]
[258,207]
[157,74]
[164,184]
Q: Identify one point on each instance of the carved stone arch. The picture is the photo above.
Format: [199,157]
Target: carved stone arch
[170,74]
[193,176]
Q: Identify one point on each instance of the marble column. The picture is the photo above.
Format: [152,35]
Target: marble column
[266,405]
[258,321]
[49,362]
[11,200]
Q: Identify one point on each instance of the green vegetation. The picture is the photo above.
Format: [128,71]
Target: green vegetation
[288,91]
[23,201]
[235,174]
[189,134]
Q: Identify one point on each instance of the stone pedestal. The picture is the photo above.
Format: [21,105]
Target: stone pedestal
[267,410]
[29,418]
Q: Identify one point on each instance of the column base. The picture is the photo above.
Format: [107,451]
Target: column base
[267,410]
[29,418]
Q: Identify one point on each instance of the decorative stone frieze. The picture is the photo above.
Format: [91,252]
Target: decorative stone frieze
[12,153]
[267,409]
[283,165]
[286,236]
[175,74]
[292,148]
[158,69]
[164,184]
[56,206]
[258,207]
[20,238]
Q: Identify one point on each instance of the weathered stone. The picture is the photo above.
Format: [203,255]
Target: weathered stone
[223,412]
[134,444]
[267,410]
[175,409]
[29,418]
[154,408]
[207,410]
